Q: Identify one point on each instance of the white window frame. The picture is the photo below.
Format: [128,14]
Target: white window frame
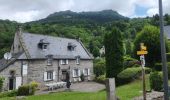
[64,61]
[85,72]
[24,69]
[44,46]
[77,60]
[76,73]
[49,61]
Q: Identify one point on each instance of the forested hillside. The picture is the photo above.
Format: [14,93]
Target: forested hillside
[89,26]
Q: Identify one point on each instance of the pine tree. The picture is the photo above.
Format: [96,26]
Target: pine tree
[113,52]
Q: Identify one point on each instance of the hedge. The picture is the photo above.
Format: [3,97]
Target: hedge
[131,74]
[158,67]
[156,81]
[101,79]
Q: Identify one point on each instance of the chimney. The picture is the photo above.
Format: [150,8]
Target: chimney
[20,29]
[78,39]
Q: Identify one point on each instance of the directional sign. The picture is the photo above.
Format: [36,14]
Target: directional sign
[143,48]
[142,52]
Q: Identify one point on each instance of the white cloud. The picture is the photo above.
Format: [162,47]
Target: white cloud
[28,10]
[152,11]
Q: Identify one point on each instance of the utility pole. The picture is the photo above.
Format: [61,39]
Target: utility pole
[163,52]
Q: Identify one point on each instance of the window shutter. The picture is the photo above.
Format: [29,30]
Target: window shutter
[67,61]
[18,82]
[73,73]
[24,69]
[83,72]
[79,73]
[45,76]
[88,71]
[54,73]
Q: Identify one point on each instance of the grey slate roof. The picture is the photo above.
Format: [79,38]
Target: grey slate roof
[57,47]
[167,31]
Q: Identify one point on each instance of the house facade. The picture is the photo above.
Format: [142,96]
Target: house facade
[45,59]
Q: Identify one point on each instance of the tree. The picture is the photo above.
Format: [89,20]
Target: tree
[151,38]
[113,42]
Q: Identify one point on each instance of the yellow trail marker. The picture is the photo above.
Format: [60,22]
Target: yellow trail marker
[142,52]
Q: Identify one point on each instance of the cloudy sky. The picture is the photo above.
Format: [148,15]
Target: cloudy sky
[29,10]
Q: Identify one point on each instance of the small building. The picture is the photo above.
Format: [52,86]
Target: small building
[45,59]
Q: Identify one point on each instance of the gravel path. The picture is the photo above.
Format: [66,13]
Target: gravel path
[151,96]
[87,87]
[80,87]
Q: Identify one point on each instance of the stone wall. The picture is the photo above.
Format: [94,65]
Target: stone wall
[36,69]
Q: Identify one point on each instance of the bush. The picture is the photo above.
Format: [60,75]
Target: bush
[158,67]
[156,81]
[8,94]
[131,74]
[82,77]
[99,67]
[168,57]
[1,83]
[101,79]
[130,62]
[25,90]
[34,84]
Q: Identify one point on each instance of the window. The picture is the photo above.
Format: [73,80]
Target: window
[77,60]
[24,69]
[44,46]
[49,60]
[64,61]
[49,75]
[85,72]
[71,46]
[75,73]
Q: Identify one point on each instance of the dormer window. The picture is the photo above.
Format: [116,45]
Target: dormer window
[71,46]
[44,47]
[43,44]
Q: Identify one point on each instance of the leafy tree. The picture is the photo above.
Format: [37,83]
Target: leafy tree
[113,53]
[151,38]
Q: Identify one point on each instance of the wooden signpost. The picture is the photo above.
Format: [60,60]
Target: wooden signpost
[143,52]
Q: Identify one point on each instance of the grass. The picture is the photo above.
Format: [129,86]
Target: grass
[131,90]
[125,92]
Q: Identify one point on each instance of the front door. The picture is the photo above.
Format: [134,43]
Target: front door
[11,83]
[64,75]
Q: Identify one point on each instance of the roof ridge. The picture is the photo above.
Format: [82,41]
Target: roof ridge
[38,34]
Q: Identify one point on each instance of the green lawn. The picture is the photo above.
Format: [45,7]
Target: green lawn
[125,92]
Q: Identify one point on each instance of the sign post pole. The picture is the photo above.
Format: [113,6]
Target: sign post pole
[142,59]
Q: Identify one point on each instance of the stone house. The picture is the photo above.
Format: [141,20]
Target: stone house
[45,59]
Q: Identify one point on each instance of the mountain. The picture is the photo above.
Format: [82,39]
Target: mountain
[67,17]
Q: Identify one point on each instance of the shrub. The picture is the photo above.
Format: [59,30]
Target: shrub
[99,67]
[129,62]
[8,94]
[156,81]
[1,83]
[158,67]
[131,74]
[82,77]
[25,90]
[34,84]
[101,79]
